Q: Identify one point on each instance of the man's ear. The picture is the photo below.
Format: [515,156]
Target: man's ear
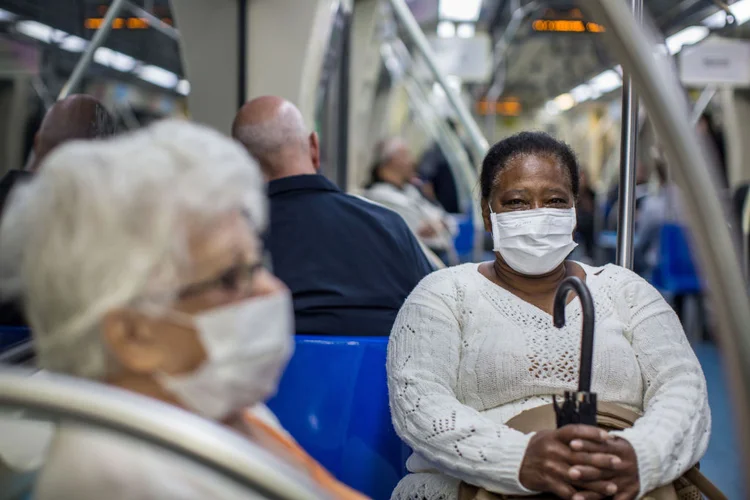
[130,339]
[315,150]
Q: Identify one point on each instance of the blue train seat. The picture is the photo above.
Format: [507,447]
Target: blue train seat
[12,336]
[676,273]
[333,399]
[464,239]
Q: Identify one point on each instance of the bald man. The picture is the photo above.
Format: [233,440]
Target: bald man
[76,117]
[349,263]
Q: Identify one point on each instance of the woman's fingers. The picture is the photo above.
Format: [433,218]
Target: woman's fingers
[605,461]
[589,473]
[570,433]
[603,488]
[561,489]
[592,446]
[587,495]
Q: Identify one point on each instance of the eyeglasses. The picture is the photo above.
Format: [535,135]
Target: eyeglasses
[233,279]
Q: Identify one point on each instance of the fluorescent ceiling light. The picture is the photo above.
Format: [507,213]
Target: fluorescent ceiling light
[103,56]
[606,82]
[460,10]
[446,29]
[565,102]
[35,30]
[73,43]
[466,30]
[741,11]
[6,16]
[454,82]
[715,21]
[158,76]
[115,60]
[552,108]
[688,36]
[183,87]
[583,93]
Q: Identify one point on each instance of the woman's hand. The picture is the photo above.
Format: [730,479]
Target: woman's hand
[625,474]
[547,465]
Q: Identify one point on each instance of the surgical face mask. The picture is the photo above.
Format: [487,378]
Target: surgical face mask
[248,345]
[534,242]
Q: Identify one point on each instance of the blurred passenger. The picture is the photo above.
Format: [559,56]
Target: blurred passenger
[73,118]
[656,209]
[714,137]
[392,185]
[140,263]
[435,171]
[612,209]
[349,263]
[76,117]
[585,215]
[474,357]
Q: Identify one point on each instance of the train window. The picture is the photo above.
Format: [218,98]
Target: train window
[136,74]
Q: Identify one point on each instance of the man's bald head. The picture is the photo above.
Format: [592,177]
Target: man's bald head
[76,117]
[274,132]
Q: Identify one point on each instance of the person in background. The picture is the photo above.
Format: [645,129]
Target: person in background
[435,172]
[474,347]
[75,117]
[585,214]
[392,185]
[140,264]
[349,263]
[656,209]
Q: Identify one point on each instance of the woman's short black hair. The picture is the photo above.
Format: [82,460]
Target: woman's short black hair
[525,144]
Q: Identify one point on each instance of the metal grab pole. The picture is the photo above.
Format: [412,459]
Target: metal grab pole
[88,55]
[628,158]
[154,21]
[717,249]
[479,144]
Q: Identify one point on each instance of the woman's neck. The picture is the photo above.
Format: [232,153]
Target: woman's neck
[392,178]
[529,286]
[145,386]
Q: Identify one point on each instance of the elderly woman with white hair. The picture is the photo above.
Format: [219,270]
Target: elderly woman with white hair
[140,265]
[391,186]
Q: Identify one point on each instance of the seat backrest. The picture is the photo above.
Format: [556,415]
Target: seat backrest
[333,399]
[12,336]
[676,269]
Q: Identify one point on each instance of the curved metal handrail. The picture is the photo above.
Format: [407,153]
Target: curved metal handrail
[402,12]
[717,249]
[57,397]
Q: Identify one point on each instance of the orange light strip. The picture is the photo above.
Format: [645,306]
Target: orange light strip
[503,108]
[131,23]
[567,26]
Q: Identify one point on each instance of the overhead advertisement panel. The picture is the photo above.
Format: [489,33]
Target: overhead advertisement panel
[716,61]
[467,58]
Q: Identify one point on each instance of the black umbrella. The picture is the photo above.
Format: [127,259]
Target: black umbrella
[577,407]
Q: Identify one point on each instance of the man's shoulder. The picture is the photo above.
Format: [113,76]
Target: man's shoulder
[376,209]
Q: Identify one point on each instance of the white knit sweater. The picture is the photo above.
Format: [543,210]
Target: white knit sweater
[465,356]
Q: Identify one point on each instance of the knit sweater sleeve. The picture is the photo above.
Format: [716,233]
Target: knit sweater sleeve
[674,431]
[423,362]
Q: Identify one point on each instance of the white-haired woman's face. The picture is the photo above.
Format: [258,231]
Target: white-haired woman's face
[225,269]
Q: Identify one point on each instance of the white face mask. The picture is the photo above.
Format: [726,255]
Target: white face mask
[248,345]
[534,242]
